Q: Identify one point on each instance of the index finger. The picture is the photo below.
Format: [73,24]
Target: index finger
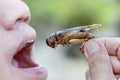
[112,45]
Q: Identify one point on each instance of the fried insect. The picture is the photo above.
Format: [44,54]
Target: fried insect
[71,36]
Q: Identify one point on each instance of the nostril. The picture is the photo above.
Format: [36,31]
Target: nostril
[19,20]
[26,20]
[23,19]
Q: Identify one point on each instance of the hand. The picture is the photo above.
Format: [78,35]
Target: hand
[103,56]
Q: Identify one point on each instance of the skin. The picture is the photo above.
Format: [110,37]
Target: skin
[14,30]
[103,56]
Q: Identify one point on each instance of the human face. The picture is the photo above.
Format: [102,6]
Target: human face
[16,43]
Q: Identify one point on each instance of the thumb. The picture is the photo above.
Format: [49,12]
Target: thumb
[98,61]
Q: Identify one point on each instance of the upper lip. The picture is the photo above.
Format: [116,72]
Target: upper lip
[23,58]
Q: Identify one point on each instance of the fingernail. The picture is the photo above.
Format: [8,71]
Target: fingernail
[92,47]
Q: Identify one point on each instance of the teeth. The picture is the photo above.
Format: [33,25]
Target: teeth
[29,42]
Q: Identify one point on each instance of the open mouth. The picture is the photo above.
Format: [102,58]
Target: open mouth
[23,57]
[24,65]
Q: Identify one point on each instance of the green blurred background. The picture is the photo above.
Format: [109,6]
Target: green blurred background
[51,15]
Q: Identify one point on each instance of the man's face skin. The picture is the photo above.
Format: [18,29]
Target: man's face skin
[16,42]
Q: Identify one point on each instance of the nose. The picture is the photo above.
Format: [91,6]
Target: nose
[14,11]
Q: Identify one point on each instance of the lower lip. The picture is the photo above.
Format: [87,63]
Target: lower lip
[38,70]
[34,71]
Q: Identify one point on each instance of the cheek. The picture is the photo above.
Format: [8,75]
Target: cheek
[4,68]
[9,41]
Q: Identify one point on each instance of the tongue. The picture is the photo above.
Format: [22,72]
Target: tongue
[15,63]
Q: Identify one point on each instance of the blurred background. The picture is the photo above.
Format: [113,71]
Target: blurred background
[48,16]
